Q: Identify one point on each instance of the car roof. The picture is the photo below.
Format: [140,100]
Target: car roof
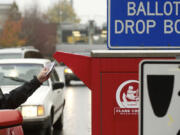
[17,50]
[24,61]
[82,53]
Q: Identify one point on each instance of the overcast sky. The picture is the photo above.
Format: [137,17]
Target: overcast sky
[85,9]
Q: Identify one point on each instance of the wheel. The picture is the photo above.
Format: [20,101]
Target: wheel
[67,82]
[59,123]
[49,129]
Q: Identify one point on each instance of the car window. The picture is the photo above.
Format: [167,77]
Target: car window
[16,74]
[52,78]
[32,54]
[10,55]
[56,77]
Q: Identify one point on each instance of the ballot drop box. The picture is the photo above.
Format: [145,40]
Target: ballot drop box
[160,98]
[112,77]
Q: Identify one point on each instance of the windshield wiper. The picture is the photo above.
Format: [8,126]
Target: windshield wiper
[15,79]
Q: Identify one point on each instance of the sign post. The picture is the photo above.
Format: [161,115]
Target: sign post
[143,24]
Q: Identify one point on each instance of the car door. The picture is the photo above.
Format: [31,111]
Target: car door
[58,98]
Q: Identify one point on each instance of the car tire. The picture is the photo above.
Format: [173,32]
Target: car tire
[59,123]
[49,129]
[67,82]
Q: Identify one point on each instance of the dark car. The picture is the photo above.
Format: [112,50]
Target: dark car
[69,75]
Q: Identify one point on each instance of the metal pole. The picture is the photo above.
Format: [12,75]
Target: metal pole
[90,32]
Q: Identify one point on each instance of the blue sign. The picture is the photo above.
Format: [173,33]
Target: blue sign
[143,23]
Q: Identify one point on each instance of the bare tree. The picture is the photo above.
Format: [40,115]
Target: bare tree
[38,33]
[14,13]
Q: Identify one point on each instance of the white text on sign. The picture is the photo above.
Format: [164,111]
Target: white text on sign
[142,26]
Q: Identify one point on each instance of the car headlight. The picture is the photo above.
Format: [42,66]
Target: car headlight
[32,111]
[67,70]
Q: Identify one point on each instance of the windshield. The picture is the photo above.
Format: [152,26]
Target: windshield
[17,74]
[10,55]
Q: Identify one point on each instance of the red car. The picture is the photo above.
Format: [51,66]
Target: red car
[10,122]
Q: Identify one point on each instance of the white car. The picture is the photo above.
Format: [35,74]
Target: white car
[22,52]
[43,109]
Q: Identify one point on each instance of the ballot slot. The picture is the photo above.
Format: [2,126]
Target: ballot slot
[156,85]
[159,98]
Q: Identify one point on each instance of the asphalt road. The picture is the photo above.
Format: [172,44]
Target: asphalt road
[77,112]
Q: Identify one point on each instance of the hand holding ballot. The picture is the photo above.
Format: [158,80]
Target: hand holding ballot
[45,72]
[50,67]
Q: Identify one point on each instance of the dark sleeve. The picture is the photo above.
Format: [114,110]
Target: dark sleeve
[19,95]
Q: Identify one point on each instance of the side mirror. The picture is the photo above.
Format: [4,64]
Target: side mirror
[10,118]
[58,85]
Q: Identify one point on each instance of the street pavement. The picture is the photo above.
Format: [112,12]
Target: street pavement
[77,112]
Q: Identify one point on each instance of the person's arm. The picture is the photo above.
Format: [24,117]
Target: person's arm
[19,95]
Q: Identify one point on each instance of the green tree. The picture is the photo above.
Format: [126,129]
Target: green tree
[62,12]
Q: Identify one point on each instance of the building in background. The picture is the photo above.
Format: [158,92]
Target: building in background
[4,9]
[83,33]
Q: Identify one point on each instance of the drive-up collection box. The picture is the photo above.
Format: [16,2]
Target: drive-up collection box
[112,77]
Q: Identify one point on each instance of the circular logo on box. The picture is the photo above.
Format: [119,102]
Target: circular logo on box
[127,95]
